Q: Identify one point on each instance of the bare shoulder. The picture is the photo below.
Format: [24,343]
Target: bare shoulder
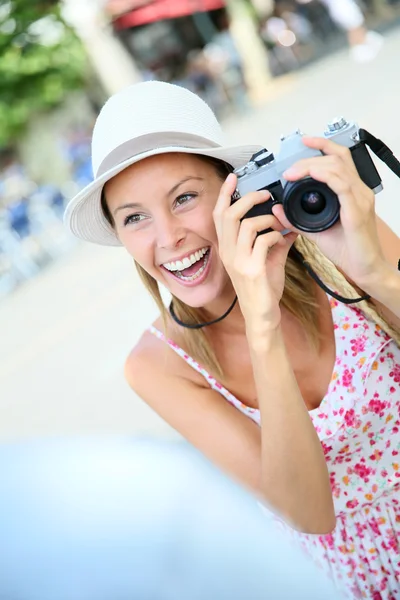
[151,360]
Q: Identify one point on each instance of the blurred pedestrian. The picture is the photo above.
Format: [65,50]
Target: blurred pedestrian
[364,44]
[203,80]
[226,63]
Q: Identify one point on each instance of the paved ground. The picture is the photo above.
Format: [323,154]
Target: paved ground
[65,335]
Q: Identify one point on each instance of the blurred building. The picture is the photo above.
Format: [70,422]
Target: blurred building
[131,40]
[166,39]
[160,34]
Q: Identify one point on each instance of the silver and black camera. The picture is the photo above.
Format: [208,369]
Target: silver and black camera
[308,204]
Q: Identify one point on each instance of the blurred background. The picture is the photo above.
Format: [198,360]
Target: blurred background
[70,312]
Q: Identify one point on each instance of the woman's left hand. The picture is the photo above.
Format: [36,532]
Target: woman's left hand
[352,244]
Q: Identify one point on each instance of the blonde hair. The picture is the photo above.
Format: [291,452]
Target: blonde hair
[298,297]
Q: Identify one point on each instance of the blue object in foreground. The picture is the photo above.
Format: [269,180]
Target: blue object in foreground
[132,519]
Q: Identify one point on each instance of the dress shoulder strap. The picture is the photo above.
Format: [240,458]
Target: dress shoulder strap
[253,413]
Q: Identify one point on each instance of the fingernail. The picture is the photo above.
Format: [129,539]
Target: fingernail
[289,172]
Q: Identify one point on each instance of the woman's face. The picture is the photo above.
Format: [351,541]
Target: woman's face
[162,209]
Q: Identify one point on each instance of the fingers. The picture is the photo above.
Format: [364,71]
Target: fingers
[329,148]
[232,217]
[335,156]
[273,242]
[333,164]
[337,182]
[249,229]
[349,188]
[279,213]
[224,200]
[227,216]
[338,175]
[264,244]
[224,209]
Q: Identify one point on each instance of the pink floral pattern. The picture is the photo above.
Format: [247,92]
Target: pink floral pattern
[358,423]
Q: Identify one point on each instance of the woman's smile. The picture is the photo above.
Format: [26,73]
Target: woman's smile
[192,270]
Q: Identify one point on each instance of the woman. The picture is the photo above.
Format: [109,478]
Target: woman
[286,351]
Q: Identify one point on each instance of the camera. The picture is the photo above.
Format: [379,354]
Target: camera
[309,205]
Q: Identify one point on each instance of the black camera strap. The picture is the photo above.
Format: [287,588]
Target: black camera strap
[382,151]
[322,285]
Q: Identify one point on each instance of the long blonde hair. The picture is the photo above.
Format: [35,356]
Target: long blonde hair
[298,297]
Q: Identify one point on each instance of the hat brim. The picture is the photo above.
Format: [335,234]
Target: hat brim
[84,216]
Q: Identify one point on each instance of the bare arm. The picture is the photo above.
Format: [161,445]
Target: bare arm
[282,461]
[202,416]
[384,285]
[384,288]
[294,476]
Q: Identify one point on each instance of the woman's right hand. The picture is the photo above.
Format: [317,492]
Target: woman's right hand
[255,264]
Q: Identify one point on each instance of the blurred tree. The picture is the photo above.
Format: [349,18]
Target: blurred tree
[40,60]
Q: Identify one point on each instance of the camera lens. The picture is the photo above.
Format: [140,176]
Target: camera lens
[310,205]
[313,202]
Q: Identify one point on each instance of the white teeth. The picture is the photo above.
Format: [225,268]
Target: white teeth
[187,262]
[195,275]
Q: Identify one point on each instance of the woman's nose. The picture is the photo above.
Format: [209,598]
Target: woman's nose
[169,232]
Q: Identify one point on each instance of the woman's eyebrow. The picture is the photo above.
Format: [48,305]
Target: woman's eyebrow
[184,180]
[129,205]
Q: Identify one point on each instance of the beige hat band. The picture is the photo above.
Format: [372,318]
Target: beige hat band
[151,141]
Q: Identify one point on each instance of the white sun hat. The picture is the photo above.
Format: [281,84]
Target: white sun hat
[143,120]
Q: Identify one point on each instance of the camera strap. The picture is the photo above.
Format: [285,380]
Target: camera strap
[381,150]
[322,285]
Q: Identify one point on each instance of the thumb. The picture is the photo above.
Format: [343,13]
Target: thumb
[281,250]
[279,213]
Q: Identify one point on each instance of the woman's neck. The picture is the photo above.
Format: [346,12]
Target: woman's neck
[233,323]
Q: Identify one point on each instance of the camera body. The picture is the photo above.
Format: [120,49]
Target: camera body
[309,205]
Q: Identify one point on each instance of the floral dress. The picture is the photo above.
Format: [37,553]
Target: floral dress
[358,423]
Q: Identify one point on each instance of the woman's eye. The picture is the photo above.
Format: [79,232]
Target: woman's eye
[133,219]
[184,199]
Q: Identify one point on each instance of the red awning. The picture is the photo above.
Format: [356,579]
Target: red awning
[139,12]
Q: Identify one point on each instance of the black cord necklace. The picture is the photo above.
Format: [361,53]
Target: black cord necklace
[200,325]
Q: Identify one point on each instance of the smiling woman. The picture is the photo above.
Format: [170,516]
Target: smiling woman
[280,385]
